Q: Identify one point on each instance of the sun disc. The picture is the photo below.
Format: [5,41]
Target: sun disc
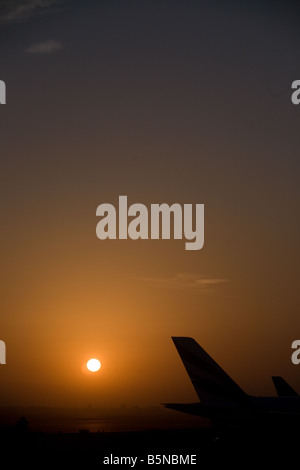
[93,365]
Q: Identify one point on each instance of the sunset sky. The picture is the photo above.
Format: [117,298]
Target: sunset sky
[163,101]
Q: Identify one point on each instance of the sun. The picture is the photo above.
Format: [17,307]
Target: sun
[93,365]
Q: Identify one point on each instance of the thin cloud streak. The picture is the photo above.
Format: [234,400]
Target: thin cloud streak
[18,11]
[46,47]
[186,281]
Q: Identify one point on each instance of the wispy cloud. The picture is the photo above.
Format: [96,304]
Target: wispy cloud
[186,281]
[18,11]
[46,47]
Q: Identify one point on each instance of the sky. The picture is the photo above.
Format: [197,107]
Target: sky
[162,101]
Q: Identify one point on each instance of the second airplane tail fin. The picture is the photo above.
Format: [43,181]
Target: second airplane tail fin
[283,389]
[209,380]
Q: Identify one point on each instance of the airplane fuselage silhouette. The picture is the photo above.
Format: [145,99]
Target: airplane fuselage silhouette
[222,400]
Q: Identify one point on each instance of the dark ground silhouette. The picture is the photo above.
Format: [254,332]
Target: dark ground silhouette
[239,448]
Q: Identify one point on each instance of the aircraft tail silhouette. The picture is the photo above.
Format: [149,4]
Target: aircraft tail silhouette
[223,402]
[283,389]
[210,381]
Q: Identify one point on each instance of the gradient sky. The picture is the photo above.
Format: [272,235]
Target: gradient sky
[164,101]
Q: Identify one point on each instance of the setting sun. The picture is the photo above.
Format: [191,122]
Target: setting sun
[93,365]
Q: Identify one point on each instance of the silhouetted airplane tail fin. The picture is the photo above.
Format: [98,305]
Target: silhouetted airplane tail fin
[283,389]
[209,380]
